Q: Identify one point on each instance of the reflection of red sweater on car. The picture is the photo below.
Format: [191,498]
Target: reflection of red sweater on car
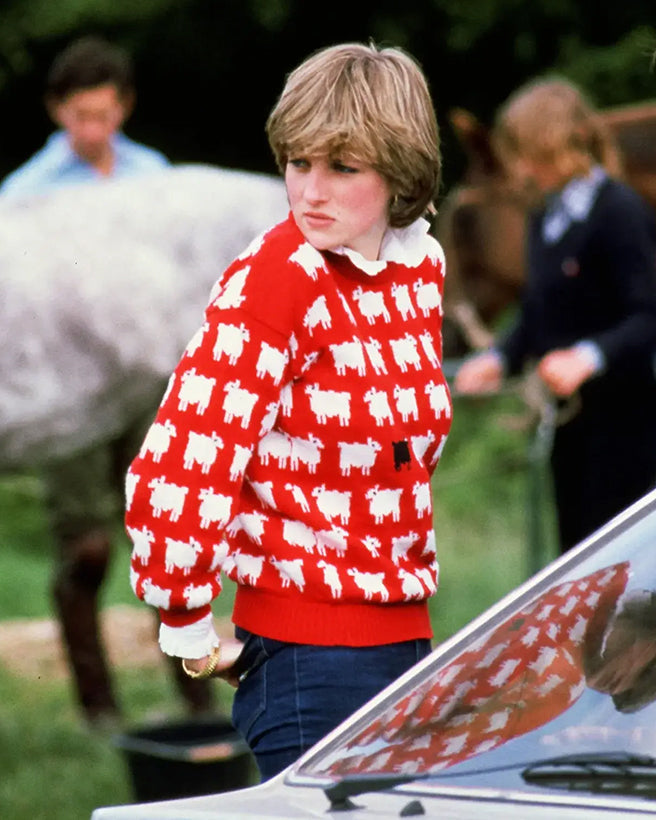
[528,671]
[295,445]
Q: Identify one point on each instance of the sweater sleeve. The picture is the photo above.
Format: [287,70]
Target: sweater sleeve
[182,489]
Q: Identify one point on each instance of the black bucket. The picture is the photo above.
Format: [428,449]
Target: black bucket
[173,760]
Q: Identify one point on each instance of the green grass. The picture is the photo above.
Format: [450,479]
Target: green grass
[52,768]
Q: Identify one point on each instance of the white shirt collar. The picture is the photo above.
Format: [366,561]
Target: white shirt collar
[572,204]
[405,246]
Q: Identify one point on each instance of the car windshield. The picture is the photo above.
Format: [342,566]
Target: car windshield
[564,666]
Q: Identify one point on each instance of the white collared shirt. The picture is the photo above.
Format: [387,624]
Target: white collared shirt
[572,204]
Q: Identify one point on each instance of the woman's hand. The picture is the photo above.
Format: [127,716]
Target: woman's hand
[564,371]
[226,668]
[481,374]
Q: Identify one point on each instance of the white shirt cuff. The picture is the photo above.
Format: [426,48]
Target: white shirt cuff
[192,641]
[593,354]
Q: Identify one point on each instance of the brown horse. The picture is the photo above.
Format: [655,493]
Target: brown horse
[481,222]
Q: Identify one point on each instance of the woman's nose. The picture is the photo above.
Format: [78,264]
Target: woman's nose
[315,186]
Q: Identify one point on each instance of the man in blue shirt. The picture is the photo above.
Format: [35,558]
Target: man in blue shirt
[89,95]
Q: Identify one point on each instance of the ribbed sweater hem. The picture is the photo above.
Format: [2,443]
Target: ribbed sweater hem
[298,620]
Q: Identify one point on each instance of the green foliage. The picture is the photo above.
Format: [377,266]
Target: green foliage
[621,71]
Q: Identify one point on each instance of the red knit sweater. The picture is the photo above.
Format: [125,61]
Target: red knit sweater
[295,445]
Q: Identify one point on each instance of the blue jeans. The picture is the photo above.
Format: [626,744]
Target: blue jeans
[292,695]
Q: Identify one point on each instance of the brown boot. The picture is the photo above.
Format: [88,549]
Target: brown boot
[81,570]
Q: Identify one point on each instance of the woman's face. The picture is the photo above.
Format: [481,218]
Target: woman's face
[338,202]
[544,176]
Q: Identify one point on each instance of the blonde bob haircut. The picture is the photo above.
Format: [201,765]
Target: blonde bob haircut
[369,104]
[549,120]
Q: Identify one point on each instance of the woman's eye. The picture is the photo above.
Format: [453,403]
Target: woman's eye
[342,168]
[298,162]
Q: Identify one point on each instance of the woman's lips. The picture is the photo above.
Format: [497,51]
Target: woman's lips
[317,220]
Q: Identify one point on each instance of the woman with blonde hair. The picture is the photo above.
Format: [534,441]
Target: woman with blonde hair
[587,318]
[296,442]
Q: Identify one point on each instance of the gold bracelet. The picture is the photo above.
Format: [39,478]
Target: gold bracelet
[208,669]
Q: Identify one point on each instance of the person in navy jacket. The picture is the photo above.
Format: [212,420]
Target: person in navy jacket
[588,311]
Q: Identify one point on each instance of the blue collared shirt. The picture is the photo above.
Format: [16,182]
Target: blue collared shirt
[57,165]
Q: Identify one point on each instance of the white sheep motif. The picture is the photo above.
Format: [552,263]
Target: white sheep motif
[155,595]
[275,445]
[428,577]
[372,544]
[331,578]
[298,534]
[420,444]
[251,523]
[428,297]
[264,491]
[371,305]
[197,596]
[269,417]
[299,496]
[421,491]
[238,403]
[214,507]
[317,314]
[249,567]
[230,342]
[271,362]
[358,455]
[181,555]
[229,293]
[405,352]
[202,449]
[401,545]
[379,406]
[349,355]
[327,404]
[131,482]
[142,541]
[373,348]
[384,503]
[158,439]
[309,258]
[406,402]
[333,503]
[290,571]
[333,539]
[195,389]
[438,398]
[167,497]
[240,458]
[196,340]
[306,451]
[403,301]
[411,586]
[426,340]
[371,583]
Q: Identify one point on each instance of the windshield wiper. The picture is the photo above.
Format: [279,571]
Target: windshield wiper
[608,773]
[351,785]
